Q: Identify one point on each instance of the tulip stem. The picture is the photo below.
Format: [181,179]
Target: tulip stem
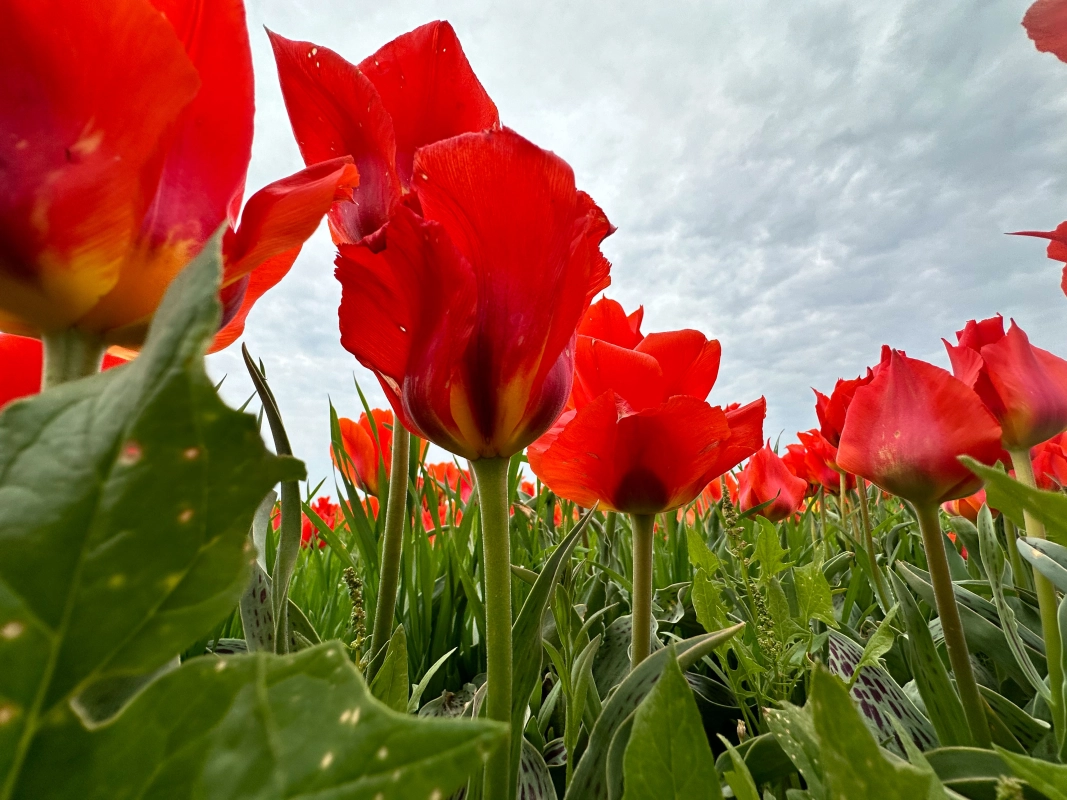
[392,548]
[70,354]
[868,542]
[951,625]
[1046,599]
[492,476]
[641,641]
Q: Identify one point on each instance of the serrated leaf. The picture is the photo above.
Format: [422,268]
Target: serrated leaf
[668,755]
[390,684]
[769,552]
[107,570]
[853,764]
[700,555]
[260,726]
[814,598]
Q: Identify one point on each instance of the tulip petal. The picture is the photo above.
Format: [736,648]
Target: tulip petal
[93,88]
[746,437]
[690,362]
[606,320]
[208,151]
[407,313]
[429,89]
[335,110]
[21,361]
[532,241]
[600,366]
[1046,24]
[282,215]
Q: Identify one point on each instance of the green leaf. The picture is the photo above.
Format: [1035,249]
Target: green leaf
[880,643]
[1048,778]
[814,599]
[1048,558]
[1011,497]
[418,690]
[992,558]
[107,570]
[852,762]
[794,728]
[706,603]
[589,781]
[700,555]
[390,684]
[937,691]
[668,755]
[739,778]
[769,552]
[264,727]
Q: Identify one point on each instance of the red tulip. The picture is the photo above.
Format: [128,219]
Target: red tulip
[467,314]
[1046,24]
[125,149]
[831,410]
[458,481]
[767,478]
[1023,386]
[906,429]
[21,364]
[821,460]
[370,448]
[605,320]
[1050,462]
[968,507]
[417,90]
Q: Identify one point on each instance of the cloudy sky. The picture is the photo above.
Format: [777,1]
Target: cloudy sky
[802,181]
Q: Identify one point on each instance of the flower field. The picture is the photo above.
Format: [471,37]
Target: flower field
[609,589]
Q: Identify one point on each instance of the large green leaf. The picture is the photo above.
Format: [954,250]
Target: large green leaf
[668,756]
[853,764]
[590,781]
[1011,497]
[794,729]
[1048,778]
[259,726]
[390,684]
[1048,558]
[931,676]
[970,771]
[125,500]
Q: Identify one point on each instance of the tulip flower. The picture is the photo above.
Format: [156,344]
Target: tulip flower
[831,410]
[369,447]
[126,149]
[457,481]
[21,362]
[1046,24]
[968,507]
[821,461]
[1049,461]
[640,438]
[767,479]
[1023,386]
[905,432]
[414,91]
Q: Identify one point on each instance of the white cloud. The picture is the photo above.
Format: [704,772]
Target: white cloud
[802,181]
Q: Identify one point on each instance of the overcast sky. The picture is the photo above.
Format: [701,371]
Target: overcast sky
[802,181]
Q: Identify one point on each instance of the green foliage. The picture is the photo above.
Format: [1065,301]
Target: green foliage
[259,726]
[112,572]
[668,755]
[390,684]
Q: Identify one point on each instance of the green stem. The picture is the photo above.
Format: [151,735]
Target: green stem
[70,354]
[868,542]
[492,476]
[641,643]
[392,547]
[1020,571]
[1046,599]
[951,626]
